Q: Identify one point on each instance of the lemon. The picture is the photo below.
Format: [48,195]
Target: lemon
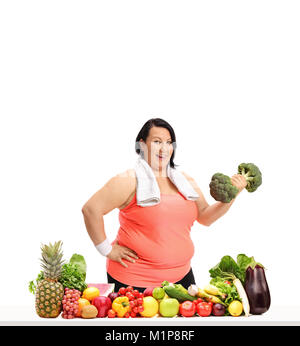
[151,307]
[235,308]
[90,293]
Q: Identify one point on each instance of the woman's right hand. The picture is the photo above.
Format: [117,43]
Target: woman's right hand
[119,252]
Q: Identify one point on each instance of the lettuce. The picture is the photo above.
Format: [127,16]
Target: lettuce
[226,269]
[229,269]
[73,274]
[227,288]
[72,277]
[80,262]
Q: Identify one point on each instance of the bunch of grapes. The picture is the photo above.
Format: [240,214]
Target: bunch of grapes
[70,303]
[135,300]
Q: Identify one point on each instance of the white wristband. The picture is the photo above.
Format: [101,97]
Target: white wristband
[104,248]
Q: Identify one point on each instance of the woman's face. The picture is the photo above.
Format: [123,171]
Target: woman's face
[158,148]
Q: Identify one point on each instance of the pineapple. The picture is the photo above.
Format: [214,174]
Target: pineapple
[50,292]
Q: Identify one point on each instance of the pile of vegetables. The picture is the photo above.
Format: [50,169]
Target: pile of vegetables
[222,189]
[244,277]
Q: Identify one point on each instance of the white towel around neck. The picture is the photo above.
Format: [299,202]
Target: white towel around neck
[148,192]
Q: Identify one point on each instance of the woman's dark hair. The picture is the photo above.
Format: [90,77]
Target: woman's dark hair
[144,132]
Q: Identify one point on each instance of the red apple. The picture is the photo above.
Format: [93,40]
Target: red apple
[103,304]
[113,296]
[148,291]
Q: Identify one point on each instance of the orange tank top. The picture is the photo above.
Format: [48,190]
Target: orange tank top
[160,235]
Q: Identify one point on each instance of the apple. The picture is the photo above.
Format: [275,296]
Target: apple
[169,307]
[113,296]
[103,304]
[148,291]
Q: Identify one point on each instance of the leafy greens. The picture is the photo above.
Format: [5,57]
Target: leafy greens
[227,288]
[229,269]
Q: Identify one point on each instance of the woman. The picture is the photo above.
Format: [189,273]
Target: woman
[153,243]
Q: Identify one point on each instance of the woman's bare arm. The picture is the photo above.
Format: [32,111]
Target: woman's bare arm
[112,195]
[207,214]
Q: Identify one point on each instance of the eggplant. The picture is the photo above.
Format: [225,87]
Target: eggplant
[257,290]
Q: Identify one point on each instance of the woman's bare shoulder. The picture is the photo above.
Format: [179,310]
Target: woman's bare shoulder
[127,182]
[187,176]
[192,181]
[124,181]
[129,173]
[114,194]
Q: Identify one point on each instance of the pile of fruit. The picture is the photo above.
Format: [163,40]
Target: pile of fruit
[153,302]
[60,289]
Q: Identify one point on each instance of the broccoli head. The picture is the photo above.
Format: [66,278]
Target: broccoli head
[252,175]
[221,188]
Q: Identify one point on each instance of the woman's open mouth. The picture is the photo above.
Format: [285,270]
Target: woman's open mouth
[161,157]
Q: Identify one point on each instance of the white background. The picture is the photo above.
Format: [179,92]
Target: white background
[78,79]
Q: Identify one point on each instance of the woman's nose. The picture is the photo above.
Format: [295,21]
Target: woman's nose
[164,147]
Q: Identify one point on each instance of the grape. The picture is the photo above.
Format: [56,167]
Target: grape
[70,303]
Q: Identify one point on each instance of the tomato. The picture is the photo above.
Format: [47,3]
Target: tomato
[204,309]
[130,296]
[139,301]
[210,303]
[136,293]
[122,291]
[197,301]
[187,309]
[111,313]
[227,282]
[132,303]
[129,289]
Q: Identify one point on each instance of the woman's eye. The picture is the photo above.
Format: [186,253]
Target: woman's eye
[160,142]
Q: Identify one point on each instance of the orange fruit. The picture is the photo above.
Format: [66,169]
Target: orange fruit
[81,303]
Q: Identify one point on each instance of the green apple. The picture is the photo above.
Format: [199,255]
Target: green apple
[158,293]
[169,307]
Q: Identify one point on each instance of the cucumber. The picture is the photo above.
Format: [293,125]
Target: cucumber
[177,291]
